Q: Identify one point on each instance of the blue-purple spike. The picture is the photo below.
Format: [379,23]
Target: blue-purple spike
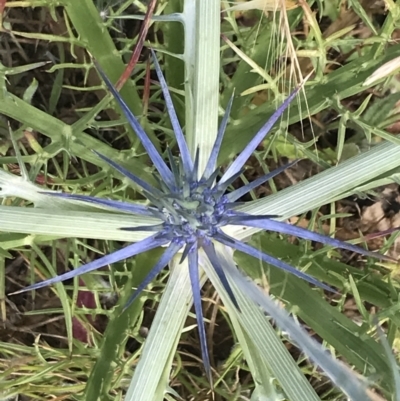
[261,134]
[165,258]
[221,187]
[172,162]
[212,161]
[180,139]
[242,247]
[138,181]
[190,247]
[233,217]
[286,228]
[195,282]
[212,256]
[134,123]
[154,228]
[195,171]
[211,178]
[238,193]
[131,250]
[122,206]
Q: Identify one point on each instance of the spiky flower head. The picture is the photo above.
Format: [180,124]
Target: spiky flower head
[190,209]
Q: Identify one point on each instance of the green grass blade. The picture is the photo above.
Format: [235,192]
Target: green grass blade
[344,82]
[62,293]
[66,138]
[102,379]
[88,24]
[393,364]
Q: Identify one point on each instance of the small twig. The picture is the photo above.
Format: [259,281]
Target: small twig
[139,45]
[2,7]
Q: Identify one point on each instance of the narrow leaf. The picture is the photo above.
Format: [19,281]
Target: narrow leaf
[261,134]
[212,256]
[340,374]
[286,228]
[159,163]
[195,282]
[118,205]
[124,253]
[212,161]
[180,139]
[143,184]
[242,247]
[166,257]
[238,193]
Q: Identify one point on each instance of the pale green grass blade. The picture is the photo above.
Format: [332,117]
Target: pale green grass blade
[309,194]
[152,372]
[263,380]
[341,375]
[268,344]
[348,339]
[3,309]
[325,187]
[15,186]
[68,223]
[202,58]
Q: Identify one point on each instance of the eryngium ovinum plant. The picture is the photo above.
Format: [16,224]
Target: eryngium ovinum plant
[189,212]
[194,217]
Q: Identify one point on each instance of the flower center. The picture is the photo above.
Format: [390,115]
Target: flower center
[195,216]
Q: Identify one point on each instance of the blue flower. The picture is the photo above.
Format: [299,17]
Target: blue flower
[192,209]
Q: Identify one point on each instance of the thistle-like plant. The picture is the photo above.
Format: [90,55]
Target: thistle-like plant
[190,209]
